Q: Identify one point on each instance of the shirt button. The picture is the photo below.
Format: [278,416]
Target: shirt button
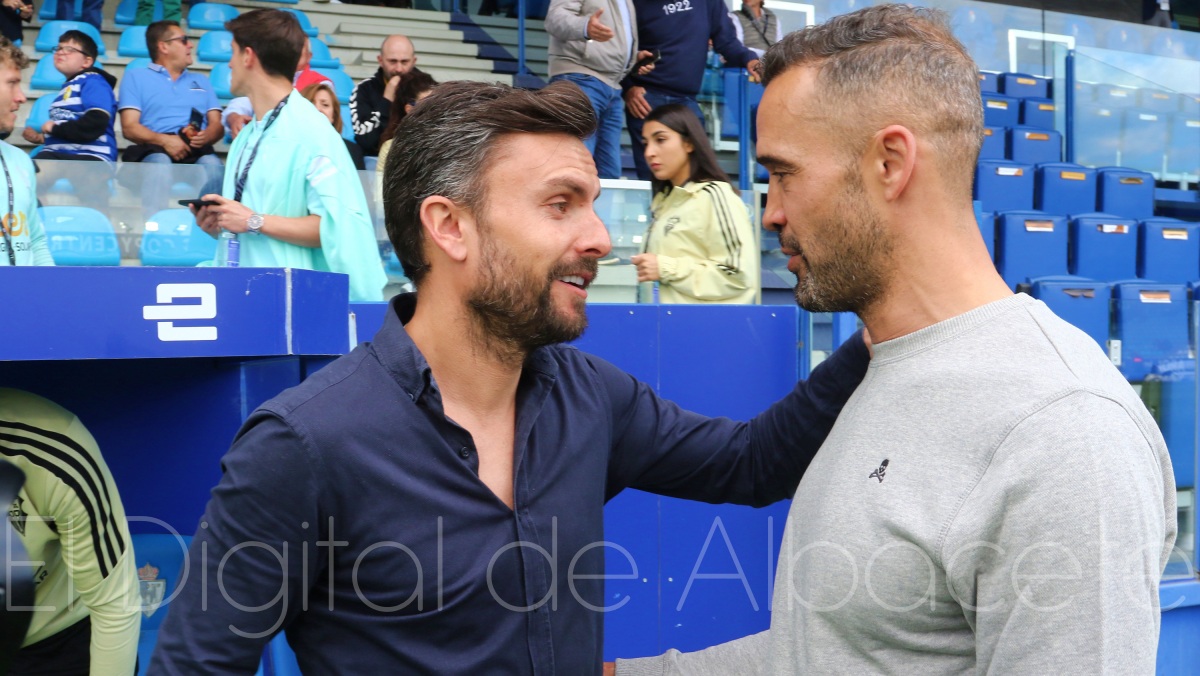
[464,452]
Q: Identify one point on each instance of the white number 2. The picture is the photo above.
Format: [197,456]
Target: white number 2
[166,311]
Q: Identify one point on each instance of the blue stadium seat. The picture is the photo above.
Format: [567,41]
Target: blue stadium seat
[343,86]
[133,42]
[220,78]
[159,559]
[173,238]
[1116,96]
[989,82]
[79,236]
[321,58]
[1158,101]
[305,24]
[1151,321]
[712,86]
[986,220]
[1034,146]
[142,62]
[47,37]
[1125,192]
[1064,188]
[1020,85]
[1103,246]
[1169,251]
[39,114]
[46,76]
[1030,244]
[1004,186]
[1183,152]
[1097,134]
[50,9]
[1081,302]
[210,16]
[281,658]
[347,127]
[732,117]
[994,141]
[215,46]
[1037,113]
[1144,140]
[127,12]
[1000,110]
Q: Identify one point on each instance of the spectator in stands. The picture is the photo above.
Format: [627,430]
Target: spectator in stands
[700,245]
[170,113]
[81,118]
[681,36]
[991,449]
[325,101]
[416,86]
[13,15]
[292,193]
[465,431]
[371,101]
[1158,13]
[238,112]
[65,11]
[757,27]
[593,43]
[172,11]
[24,240]
[70,518]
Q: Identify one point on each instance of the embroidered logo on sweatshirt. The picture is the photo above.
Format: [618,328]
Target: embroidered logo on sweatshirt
[878,474]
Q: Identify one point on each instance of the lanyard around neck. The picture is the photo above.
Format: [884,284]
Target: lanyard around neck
[7,225]
[244,172]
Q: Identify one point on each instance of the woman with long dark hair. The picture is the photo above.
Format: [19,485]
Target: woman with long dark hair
[700,247]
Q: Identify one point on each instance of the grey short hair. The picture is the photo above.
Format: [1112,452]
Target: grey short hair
[444,146]
[893,64]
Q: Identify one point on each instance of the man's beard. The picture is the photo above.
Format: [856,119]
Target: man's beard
[514,313]
[853,274]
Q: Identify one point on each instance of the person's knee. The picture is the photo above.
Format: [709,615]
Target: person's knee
[157,158]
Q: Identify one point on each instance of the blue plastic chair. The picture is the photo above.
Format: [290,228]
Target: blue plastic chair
[79,236]
[220,78]
[215,46]
[142,62]
[343,86]
[133,42]
[321,58]
[127,12]
[305,24]
[173,238]
[210,16]
[47,38]
[40,113]
[46,76]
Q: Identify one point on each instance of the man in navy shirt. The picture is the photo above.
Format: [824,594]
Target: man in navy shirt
[415,482]
[680,31]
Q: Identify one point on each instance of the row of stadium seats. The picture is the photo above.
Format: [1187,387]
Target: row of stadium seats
[1063,188]
[127,12]
[1007,111]
[1029,145]
[1144,327]
[1143,139]
[1105,247]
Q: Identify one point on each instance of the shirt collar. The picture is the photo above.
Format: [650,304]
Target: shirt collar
[159,68]
[403,360]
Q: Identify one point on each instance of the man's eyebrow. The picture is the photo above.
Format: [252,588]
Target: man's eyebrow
[570,185]
[772,162]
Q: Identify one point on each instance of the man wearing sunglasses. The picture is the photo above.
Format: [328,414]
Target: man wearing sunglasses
[170,113]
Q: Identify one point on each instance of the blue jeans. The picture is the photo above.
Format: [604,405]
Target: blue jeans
[156,185]
[91,11]
[605,144]
[655,99]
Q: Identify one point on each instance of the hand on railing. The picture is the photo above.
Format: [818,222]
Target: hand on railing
[754,68]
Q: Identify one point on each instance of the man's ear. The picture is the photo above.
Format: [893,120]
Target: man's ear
[447,226]
[891,157]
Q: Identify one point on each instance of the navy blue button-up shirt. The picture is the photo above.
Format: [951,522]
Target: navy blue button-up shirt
[351,514]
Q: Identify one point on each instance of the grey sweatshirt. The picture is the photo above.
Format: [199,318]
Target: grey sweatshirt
[572,52]
[994,498]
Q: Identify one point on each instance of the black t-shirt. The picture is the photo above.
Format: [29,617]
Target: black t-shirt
[11,25]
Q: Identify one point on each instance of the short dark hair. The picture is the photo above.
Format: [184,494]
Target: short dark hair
[702,161]
[154,35]
[892,64]
[412,85]
[444,147]
[275,36]
[86,44]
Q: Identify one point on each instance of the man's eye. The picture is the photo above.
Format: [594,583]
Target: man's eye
[560,206]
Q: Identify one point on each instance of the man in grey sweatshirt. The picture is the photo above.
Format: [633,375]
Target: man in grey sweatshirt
[994,498]
[594,44]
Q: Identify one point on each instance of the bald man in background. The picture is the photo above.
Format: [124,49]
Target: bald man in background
[372,98]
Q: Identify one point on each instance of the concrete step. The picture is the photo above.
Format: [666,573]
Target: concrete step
[450,44]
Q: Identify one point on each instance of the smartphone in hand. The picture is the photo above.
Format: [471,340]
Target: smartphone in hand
[197,203]
[654,57]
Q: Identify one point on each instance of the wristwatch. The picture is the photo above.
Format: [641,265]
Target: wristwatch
[254,223]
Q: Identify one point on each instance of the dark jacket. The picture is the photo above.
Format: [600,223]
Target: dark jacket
[369,112]
[681,31]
